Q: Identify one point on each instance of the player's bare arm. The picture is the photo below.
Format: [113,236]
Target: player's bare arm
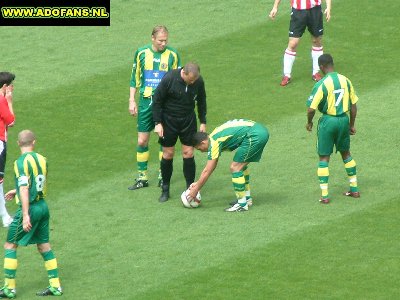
[327,11]
[132,102]
[274,9]
[310,116]
[205,174]
[353,114]
[24,197]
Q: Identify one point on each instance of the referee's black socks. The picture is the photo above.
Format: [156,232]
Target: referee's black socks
[189,170]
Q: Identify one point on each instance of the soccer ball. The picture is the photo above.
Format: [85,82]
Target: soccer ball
[190,203]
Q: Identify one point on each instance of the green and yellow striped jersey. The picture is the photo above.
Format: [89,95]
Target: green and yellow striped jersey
[228,136]
[149,68]
[332,95]
[31,170]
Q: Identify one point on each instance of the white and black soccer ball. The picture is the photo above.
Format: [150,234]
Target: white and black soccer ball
[190,202]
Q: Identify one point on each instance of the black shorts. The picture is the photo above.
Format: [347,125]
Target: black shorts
[184,128]
[3,153]
[310,18]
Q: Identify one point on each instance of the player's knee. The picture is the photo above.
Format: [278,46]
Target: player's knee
[143,142]
[42,248]
[168,153]
[187,153]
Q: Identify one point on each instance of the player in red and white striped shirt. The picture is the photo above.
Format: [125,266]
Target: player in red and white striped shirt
[305,14]
[7,119]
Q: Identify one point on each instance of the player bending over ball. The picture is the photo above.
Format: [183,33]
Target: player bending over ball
[249,139]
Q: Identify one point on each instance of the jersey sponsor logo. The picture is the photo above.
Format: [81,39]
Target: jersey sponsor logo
[157,60]
[152,78]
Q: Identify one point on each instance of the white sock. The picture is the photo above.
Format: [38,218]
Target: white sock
[3,210]
[315,53]
[288,60]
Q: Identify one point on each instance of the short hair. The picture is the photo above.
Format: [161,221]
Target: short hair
[198,137]
[159,28]
[192,67]
[26,138]
[325,60]
[6,78]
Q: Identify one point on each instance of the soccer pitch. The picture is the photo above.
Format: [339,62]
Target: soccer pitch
[72,90]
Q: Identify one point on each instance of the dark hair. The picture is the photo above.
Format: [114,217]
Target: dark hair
[198,137]
[6,78]
[325,60]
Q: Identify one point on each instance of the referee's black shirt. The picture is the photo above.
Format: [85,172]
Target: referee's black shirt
[173,97]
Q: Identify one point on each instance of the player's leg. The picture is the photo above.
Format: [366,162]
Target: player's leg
[297,27]
[249,199]
[316,29]
[142,158]
[343,146]
[189,128]
[238,182]
[10,271]
[160,153]
[168,143]
[39,214]
[351,170]
[246,173]
[323,177]
[3,210]
[50,263]
[327,128]
[189,164]
[251,150]
[144,126]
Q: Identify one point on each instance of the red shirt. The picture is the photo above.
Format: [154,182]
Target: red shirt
[6,118]
[304,4]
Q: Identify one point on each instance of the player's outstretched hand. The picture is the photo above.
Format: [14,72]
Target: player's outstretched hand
[193,189]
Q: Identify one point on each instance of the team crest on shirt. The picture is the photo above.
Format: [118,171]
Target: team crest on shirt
[163,66]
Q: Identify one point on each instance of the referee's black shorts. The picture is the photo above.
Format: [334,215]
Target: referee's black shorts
[184,128]
[306,18]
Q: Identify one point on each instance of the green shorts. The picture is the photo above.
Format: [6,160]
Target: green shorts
[252,147]
[145,115]
[333,131]
[39,234]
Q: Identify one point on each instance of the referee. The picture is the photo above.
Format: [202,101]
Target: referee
[174,102]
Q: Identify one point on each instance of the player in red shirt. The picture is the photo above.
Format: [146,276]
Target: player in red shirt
[305,14]
[7,119]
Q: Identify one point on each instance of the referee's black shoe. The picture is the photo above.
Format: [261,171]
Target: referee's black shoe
[139,184]
[164,193]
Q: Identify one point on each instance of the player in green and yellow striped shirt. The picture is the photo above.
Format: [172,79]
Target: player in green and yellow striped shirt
[150,64]
[31,221]
[335,98]
[248,138]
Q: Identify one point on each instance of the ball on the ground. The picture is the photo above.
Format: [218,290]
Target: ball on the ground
[189,202]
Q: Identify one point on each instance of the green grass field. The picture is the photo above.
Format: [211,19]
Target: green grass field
[72,89]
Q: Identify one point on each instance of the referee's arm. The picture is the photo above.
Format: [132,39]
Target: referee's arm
[202,104]
[160,94]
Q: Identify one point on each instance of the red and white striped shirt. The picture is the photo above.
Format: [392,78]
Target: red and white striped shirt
[304,4]
[6,118]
